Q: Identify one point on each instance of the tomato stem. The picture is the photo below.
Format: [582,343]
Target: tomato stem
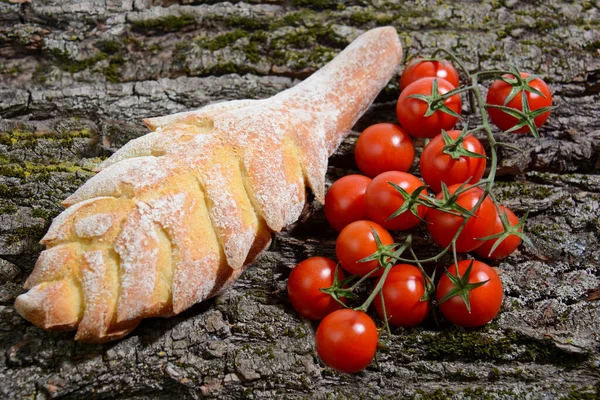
[475,130]
[387,267]
[427,280]
[453,57]
[385,316]
[488,130]
[424,260]
[363,278]
[489,181]
[377,289]
[462,67]
[435,104]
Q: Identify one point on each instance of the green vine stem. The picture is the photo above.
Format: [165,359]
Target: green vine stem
[377,289]
[385,316]
[387,267]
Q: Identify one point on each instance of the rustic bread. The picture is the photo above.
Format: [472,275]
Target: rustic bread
[173,217]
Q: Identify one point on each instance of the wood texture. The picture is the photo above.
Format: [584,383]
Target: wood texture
[76,77]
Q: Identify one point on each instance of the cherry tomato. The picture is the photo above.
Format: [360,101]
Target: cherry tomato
[443,226]
[438,166]
[383,147]
[485,300]
[382,200]
[402,293]
[411,111]
[420,68]
[304,283]
[355,242]
[346,340]
[500,90]
[507,246]
[345,201]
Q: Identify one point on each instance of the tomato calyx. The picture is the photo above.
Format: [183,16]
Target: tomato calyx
[448,203]
[508,230]
[411,201]
[525,117]
[382,254]
[462,287]
[454,147]
[436,101]
[386,265]
[339,288]
[518,84]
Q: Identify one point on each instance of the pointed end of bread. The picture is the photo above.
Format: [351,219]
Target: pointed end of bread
[54,306]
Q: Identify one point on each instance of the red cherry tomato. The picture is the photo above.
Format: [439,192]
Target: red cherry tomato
[507,246]
[304,283]
[443,226]
[485,300]
[402,293]
[382,200]
[346,340]
[437,166]
[411,111]
[383,147]
[500,90]
[355,242]
[420,68]
[345,201]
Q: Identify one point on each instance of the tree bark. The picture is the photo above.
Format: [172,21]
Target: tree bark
[76,77]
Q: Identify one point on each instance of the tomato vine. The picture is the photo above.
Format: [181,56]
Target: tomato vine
[463,206]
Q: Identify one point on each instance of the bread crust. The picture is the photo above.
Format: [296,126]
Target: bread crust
[173,217]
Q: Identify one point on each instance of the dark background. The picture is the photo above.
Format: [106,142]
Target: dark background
[76,77]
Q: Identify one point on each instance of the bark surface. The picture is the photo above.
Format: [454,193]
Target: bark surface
[76,77]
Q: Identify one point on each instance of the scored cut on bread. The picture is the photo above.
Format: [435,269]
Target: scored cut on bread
[172,218]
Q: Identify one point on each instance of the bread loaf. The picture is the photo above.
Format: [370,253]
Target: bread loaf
[173,217]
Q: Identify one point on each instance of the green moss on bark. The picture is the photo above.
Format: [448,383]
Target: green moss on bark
[26,139]
[296,18]
[108,46]
[316,4]
[40,172]
[112,72]
[7,208]
[362,18]
[584,393]
[223,40]
[249,23]
[451,344]
[33,233]
[505,190]
[170,23]
[67,63]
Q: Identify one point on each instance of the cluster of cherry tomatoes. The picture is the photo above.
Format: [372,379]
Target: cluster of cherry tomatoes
[386,197]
